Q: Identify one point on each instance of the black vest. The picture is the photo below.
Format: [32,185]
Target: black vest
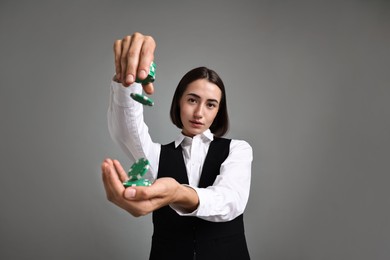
[177,237]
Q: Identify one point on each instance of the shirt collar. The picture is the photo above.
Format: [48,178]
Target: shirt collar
[206,135]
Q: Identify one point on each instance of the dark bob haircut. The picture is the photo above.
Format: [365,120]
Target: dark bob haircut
[220,125]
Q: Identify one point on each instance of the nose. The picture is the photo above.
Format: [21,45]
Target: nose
[198,112]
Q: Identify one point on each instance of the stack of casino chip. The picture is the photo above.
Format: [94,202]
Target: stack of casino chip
[136,173]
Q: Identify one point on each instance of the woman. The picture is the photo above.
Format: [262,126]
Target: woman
[202,180]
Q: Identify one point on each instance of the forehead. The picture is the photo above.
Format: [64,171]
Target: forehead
[204,89]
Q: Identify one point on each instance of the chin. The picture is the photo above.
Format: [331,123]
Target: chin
[193,133]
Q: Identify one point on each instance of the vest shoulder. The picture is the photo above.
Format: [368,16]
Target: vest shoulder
[222,139]
[235,142]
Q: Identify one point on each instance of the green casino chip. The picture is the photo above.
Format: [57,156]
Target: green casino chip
[138,169]
[151,76]
[142,99]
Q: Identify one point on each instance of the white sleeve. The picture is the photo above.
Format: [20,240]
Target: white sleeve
[128,129]
[227,197]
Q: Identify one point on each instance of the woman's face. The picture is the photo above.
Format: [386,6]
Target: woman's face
[199,106]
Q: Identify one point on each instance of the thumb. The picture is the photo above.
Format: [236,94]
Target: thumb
[158,189]
[130,193]
[140,193]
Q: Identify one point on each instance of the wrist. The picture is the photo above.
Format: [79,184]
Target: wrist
[186,198]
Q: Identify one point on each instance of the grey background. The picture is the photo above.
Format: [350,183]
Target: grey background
[307,85]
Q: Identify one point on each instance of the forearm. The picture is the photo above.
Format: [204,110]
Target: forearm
[186,199]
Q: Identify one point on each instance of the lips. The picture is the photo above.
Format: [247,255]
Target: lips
[196,124]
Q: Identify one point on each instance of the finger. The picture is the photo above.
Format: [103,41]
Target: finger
[105,176]
[125,46]
[117,58]
[148,88]
[146,57]
[133,57]
[121,172]
[105,168]
[111,180]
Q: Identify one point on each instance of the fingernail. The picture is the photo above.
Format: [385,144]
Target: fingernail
[129,193]
[142,74]
[129,79]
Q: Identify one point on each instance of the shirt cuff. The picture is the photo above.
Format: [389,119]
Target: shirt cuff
[121,94]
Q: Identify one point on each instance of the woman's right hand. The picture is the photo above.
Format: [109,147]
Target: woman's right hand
[133,56]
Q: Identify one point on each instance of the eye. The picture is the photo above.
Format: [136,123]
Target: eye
[211,105]
[191,100]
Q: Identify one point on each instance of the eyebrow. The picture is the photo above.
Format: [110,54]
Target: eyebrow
[198,97]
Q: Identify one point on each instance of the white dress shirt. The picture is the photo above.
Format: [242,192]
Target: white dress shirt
[225,199]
